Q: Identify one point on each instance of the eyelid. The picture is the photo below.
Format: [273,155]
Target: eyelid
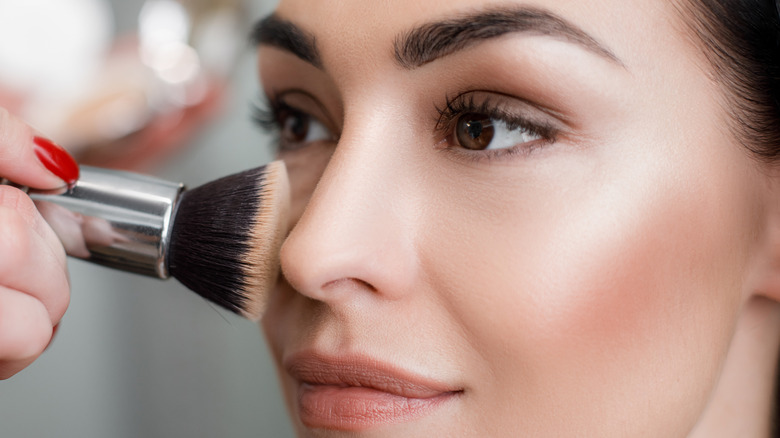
[305,102]
[516,112]
[508,104]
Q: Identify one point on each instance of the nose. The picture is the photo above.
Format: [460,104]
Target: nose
[356,235]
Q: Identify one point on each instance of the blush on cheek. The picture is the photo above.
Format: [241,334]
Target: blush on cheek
[594,312]
[644,299]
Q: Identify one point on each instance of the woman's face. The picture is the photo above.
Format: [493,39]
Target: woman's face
[529,218]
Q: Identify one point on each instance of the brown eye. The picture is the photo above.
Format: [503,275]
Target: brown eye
[474,131]
[294,126]
[297,129]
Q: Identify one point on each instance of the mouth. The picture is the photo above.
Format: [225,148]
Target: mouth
[352,393]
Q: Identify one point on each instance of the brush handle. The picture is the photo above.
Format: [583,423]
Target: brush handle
[113,218]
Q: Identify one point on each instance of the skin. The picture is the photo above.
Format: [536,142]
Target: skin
[34,288]
[617,281]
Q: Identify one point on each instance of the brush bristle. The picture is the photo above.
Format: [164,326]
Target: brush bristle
[226,236]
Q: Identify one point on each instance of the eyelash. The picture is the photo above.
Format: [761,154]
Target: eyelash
[265,114]
[466,103]
[267,111]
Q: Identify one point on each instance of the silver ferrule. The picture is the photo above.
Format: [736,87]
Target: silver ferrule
[114,218]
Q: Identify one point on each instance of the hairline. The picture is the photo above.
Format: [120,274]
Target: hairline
[724,65]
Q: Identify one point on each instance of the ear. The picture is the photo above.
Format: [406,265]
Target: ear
[764,274]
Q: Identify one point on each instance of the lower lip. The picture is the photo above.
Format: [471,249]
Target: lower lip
[354,408]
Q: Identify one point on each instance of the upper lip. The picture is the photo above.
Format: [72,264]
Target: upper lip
[360,371]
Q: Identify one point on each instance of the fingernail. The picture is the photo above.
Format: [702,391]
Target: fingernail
[57,160]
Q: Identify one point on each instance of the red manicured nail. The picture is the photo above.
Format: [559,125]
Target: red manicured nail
[57,160]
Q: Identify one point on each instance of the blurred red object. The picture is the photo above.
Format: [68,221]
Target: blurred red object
[159,139]
[129,101]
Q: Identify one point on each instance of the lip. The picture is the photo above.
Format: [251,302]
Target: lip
[354,392]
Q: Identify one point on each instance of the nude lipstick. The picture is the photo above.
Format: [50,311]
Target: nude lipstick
[353,393]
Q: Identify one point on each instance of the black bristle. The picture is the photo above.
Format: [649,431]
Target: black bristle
[211,237]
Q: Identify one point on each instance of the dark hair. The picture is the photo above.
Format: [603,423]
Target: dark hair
[741,41]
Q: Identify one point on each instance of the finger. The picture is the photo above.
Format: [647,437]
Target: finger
[54,331]
[30,265]
[17,200]
[31,160]
[25,331]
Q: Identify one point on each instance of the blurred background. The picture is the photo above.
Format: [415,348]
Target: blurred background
[163,87]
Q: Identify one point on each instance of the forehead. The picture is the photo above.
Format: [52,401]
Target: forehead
[368,29]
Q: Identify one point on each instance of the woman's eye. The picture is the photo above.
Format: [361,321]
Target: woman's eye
[298,128]
[478,132]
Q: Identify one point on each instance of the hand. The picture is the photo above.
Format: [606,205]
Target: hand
[34,287]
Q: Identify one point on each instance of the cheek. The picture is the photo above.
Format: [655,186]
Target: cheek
[598,284]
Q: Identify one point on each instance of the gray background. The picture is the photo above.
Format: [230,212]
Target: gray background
[138,357]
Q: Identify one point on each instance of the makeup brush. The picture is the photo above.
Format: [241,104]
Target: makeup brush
[221,240]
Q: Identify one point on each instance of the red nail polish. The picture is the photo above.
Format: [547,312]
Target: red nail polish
[57,160]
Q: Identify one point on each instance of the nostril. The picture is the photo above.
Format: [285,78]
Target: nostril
[348,284]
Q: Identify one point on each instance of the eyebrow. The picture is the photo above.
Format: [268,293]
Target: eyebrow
[431,41]
[277,32]
[435,40]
